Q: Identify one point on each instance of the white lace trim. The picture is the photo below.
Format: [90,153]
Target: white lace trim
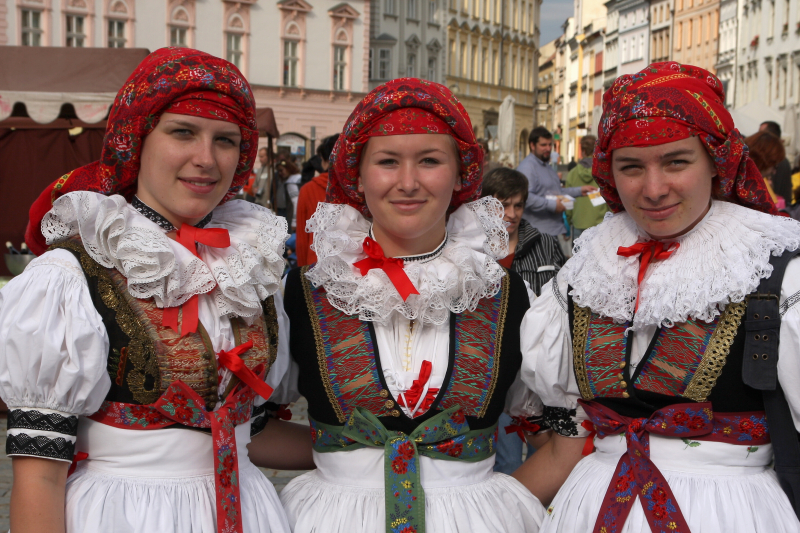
[117,236]
[719,261]
[465,272]
[49,260]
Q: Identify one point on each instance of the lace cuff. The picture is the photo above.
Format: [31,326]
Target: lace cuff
[262,414]
[41,433]
[566,422]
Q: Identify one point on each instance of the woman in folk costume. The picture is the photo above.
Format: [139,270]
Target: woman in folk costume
[140,343]
[640,341]
[406,330]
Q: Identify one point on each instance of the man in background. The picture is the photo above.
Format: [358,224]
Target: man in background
[545,214]
[311,194]
[782,178]
[263,181]
[584,214]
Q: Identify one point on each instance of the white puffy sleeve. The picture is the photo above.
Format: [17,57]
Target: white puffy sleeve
[547,370]
[53,356]
[789,347]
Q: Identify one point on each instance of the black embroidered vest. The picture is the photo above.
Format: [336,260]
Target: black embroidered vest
[145,358]
[340,365]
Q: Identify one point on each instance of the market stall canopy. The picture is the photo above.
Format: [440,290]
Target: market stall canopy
[45,78]
[266,122]
[748,118]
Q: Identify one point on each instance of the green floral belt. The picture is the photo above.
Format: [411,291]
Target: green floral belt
[445,436]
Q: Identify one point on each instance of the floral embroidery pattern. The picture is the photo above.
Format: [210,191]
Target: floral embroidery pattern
[445,436]
[561,420]
[637,475]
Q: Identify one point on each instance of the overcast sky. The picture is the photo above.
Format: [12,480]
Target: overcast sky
[554,13]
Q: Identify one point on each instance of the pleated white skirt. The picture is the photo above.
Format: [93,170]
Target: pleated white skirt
[161,481]
[719,487]
[346,495]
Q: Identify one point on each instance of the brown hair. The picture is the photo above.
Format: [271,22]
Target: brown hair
[290,166]
[766,150]
[504,183]
[587,145]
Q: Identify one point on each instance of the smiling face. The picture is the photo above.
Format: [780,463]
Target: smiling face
[666,189]
[408,182]
[187,166]
[513,207]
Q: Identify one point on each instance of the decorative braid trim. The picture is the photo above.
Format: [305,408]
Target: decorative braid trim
[789,302]
[501,322]
[580,331]
[40,446]
[709,369]
[66,425]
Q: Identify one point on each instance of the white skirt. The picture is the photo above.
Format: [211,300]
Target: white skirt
[161,480]
[346,495]
[719,487]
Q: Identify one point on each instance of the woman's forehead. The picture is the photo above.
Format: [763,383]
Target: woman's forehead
[687,146]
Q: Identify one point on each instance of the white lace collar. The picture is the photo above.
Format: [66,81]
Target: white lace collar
[456,280]
[719,261]
[117,236]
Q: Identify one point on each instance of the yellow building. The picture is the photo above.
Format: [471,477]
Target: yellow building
[696,32]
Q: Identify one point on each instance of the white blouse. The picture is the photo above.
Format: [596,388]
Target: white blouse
[731,239]
[53,344]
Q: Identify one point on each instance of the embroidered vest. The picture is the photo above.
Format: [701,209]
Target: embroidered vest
[145,358]
[695,361]
[348,368]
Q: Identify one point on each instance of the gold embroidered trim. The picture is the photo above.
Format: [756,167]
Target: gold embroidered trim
[140,351]
[323,367]
[580,331]
[498,342]
[716,354]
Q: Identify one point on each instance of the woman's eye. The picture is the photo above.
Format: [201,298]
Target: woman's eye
[678,162]
[227,140]
[182,132]
[387,162]
[630,168]
[430,161]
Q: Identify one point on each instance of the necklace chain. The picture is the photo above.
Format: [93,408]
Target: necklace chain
[158,218]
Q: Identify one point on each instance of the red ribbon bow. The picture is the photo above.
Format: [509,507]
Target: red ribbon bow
[391,265]
[650,251]
[233,362]
[189,236]
[411,396]
[588,446]
[521,426]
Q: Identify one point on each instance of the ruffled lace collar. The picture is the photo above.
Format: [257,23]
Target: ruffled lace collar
[720,261]
[456,280]
[117,236]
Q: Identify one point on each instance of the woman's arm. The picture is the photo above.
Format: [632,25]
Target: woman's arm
[37,495]
[548,468]
[282,445]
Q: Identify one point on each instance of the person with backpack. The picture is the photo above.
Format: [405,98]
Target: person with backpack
[655,350]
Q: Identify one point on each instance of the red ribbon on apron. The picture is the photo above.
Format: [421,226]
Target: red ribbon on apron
[391,265]
[180,404]
[189,236]
[636,475]
[411,396]
[650,251]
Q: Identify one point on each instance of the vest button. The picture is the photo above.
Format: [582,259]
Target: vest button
[623,384]
[626,395]
[395,413]
[622,364]
[620,377]
[384,393]
[389,404]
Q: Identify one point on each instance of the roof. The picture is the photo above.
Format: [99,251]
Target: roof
[45,78]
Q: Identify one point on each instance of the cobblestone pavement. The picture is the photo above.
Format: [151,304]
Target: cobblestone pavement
[279,478]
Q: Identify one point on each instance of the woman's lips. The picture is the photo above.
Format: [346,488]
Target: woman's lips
[408,206]
[661,213]
[199,185]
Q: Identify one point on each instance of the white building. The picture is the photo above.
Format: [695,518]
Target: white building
[406,39]
[726,57]
[611,44]
[768,53]
[306,61]
[634,35]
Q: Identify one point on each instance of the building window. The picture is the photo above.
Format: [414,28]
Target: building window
[290,63]
[389,6]
[432,68]
[177,37]
[384,63]
[433,7]
[75,32]
[31,27]
[116,33]
[411,66]
[485,65]
[411,9]
[339,67]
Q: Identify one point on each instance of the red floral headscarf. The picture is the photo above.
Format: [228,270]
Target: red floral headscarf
[174,80]
[402,107]
[668,102]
